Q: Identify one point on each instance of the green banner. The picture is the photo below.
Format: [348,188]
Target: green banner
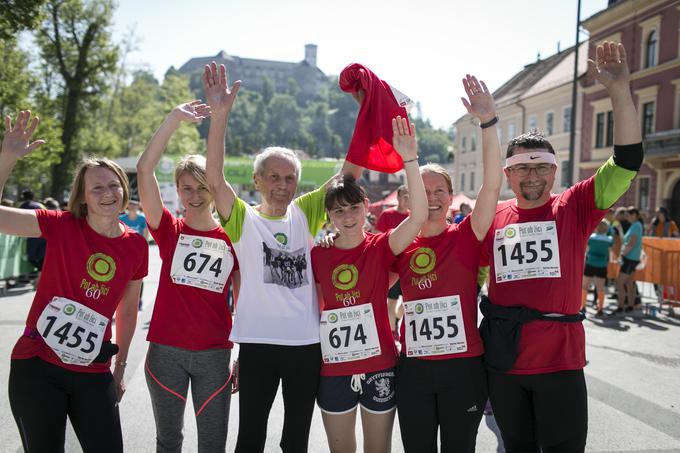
[239,170]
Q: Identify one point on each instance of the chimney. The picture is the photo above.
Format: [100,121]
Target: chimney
[310,54]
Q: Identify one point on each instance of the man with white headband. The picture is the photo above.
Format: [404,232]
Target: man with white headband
[534,340]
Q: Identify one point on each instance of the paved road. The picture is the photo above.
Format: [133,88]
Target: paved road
[633,387]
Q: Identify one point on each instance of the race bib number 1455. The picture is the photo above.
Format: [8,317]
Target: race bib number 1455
[523,251]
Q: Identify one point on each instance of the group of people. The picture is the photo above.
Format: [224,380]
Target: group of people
[324,334]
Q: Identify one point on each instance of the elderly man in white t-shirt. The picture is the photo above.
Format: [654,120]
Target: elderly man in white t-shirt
[277,320]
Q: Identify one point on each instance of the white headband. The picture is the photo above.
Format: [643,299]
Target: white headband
[540,157]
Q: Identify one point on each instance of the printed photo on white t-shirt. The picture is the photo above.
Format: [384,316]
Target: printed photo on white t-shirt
[282,268]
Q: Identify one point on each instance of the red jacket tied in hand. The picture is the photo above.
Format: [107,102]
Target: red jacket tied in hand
[371,145]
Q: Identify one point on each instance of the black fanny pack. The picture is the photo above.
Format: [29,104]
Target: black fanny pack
[107,350]
[501,327]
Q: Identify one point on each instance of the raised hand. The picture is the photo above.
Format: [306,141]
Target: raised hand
[480,102]
[403,139]
[17,139]
[610,67]
[217,92]
[192,112]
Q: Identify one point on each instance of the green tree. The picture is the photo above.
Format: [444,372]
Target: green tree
[186,140]
[434,144]
[18,15]
[75,42]
[326,143]
[287,124]
[15,78]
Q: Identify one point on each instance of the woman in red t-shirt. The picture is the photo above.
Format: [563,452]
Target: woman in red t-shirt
[357,346]
[93,267]
[441,379]
[189,331]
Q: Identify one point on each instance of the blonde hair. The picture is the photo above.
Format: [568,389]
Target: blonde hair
[194,164]
[438,169]
[76,202]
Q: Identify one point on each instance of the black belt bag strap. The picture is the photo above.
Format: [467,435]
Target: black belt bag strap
[501,328]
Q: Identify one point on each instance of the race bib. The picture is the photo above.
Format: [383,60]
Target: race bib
[201,262]
[526,250]
[434,327]
[73,331]
[349,334]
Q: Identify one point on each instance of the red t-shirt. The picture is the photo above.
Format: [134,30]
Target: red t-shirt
[86,267]
[186,316]
[369,265]
[449,263]
[545,346]
[390,218]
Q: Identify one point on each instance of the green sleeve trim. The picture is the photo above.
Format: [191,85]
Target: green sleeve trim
[312,204]
[611,182]
[482,275]
[233,226]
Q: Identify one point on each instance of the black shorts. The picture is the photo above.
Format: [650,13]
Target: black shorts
[592,271]
[628,266]
[395,291]
[373,391]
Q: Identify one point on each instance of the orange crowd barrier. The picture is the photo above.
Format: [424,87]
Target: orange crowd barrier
[662,264]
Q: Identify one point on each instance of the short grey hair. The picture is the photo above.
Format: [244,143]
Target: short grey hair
[280,152]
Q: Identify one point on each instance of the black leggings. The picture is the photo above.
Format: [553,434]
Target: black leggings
[549,411]
[261,367]
[41,395]
[448,395]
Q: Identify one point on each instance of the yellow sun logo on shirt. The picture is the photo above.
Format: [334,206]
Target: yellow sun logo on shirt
[101,267]
[345,277]
[423,261]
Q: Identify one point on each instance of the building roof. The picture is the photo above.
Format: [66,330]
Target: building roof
[198,63]
[527,77]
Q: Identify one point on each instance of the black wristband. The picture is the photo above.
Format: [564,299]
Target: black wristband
[629,157]
[489,123]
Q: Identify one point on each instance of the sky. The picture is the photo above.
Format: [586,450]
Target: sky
[422,48]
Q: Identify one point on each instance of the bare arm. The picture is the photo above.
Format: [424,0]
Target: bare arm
[481,106]
[126,322]
[16,144]
[611,70]
[406,145]
[149,192]
[221,99]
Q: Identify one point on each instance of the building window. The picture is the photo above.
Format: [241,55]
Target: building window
[473,143]
[565,174]
[532,122]
[643,194]
[599,130]
[549,123]
[511,131]
[566,119]
[650,51]
[463,143]
[462,182]
[610,128]
[647,118]
[472,181]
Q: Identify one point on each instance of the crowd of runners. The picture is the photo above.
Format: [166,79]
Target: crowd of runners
[315,319]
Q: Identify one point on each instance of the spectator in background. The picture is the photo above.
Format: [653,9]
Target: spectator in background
[35,246]
[465,209]
[597,259]
[389,219]
[135,219]
[51,204]
[369,224]
[662,226]
[630,256]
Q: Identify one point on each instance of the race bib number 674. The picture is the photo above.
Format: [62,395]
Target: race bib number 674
[524,251]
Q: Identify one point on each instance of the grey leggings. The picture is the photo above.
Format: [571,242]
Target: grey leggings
[168,373]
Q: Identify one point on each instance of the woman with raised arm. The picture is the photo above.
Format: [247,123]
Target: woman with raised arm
[189,331]
[93,267]
[441,381]
[357,346]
